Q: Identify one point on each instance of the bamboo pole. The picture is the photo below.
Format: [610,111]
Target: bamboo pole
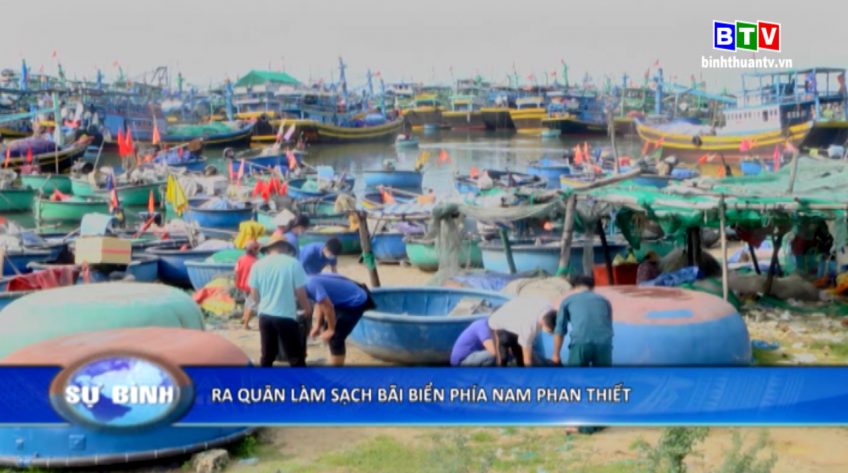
[599,229]
[725,288]
[794,173]
[367,255]
[55,157]
[567,234]
[777,242]
[510,261]
[753,253]
[611,130]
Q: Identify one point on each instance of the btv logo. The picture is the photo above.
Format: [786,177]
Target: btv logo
[746,36]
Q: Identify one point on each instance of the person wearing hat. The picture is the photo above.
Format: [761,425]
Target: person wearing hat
[277,285]
[242,272]
[292,229]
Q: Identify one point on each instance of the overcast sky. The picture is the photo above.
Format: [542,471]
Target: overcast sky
[209,40]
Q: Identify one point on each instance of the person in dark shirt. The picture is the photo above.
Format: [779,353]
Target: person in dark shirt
[590,317]
[316,256]
[339,304]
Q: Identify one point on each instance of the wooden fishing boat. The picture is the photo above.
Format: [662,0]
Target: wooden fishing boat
[16,199]
[47,183]
[396,178]
[321,234]
[179,347]
[423,254]
[417,325]
[549,169]
[134,195]
[466,184]
[220,134]
[463,114]
[528,256]
[224,219]
[496,118]
[426,110]
[665,326]
[528,114]
[71,210]
[328,133]
[47,161]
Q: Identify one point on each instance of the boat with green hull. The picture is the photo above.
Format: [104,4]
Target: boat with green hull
[71,210]
[16,199]
[128,195]
[47,183]
[423,254]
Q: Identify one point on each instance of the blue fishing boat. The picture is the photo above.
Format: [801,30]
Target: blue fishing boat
[17,261]
[212,134]
[302,188]
[549,169]
[528,256]
[171,264]
[400,179]
[419,325]
[201,272]
[184,160]
[220,219]
[500,180]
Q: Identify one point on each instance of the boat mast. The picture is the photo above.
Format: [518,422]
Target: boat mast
[658,98]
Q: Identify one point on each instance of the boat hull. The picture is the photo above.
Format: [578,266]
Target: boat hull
[17,261]
[496,118]
[47,183]
[463,120]
[58,161]
[228,219]
[171,266]
[412,325]
[421,116]
[237,137]
[16,200]
[128,196]
[67,211]
[529,257]
[389,247]
[573,126]
[527,120]
[550,172]
[424,255]
[338,134]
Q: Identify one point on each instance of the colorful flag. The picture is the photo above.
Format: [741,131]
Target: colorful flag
[29,156]
[444,156]
[280,132]
[121,146]
[289,133]
[8,159]
[387,196]
[775,156]
[474,172]
[129,141]
[586,151]
[240,173]
[175,195]
[113,193]
[292,160]
[156,139]
[151,203]
[578,155]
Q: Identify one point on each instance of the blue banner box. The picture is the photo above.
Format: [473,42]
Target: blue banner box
[478,396]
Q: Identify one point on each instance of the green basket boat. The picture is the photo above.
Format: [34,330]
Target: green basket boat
[47,183]
[423,254]
[129,196]
[71,210]
[16,200]
[266,218]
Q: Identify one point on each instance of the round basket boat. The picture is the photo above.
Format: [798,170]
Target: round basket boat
[418,325]
[665,326]
[84,308]
[78,446]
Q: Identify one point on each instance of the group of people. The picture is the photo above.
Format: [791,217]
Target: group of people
[508,335]
[289,277]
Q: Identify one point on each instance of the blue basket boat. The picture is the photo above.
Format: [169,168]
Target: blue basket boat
[389,247]
[296,190]
[401,179]
[529,257]
[221,219]
[171,264]
[666,326]
[549,169]
[201,272]
[500,180]
[415,325]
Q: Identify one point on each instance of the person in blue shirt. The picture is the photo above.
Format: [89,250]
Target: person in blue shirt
[316,256]
[276,284]
[299,225]
[474,346]
[590,317]
[339,304]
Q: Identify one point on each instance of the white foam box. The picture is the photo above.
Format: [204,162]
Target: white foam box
[102,250]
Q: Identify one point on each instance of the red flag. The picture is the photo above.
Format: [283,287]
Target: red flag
[444,156]
[776,157]
[8,159]
[257,188]
[129,142]
[240,173]
[156,139]
[232,170]
[474,172]
[151,202]
[284,188]
[274,185]
[586,151]
[388,198]
[745,145]
[703,159]
[292,160]
[645,147]
[578,155]
[121,146]
[266,190]
[180,152]
[29,156]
